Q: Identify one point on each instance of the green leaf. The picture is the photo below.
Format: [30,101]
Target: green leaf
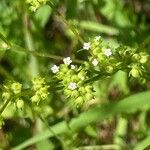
[99,113]
[144,145]
[97,27]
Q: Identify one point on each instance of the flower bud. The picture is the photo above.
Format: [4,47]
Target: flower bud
[74,78]
[20,103]
[35,98]
[82,90]
[16,87]
[96,51]
[109,69]
[79,101]
[135,72]
[5,96]
[136,57]
[88,96]
[75,94]
[88,88]
[144,57]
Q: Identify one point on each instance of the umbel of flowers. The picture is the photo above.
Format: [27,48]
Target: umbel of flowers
[13,90]
[73,78]
[40,90]
[107,61]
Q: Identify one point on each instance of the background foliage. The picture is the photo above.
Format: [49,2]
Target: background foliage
[119,116]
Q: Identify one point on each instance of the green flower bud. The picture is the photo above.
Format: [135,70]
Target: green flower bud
[16,87]
[144,57]
[135,73]
[79,101]
[67,92]
[35,98]
[74,78]
[82,90]
[20,103]
[38,82]
[5,96]
[136,57]
[82,75]
[64,68]
[88,88]
[75,94]
[88,96]
[109,69]
[44,96]
[96,51]
[101,57]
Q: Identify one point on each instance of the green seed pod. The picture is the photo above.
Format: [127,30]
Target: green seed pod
[20,103]
[5,96]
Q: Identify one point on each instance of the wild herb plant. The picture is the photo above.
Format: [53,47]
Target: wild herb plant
[76,81]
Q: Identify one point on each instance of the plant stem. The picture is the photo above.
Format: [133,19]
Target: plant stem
[17,48]
[4,106]
[72,28]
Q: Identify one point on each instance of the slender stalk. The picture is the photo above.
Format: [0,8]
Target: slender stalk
[17,48]
[99,147]
[49,128]
[72,28]
[4,106]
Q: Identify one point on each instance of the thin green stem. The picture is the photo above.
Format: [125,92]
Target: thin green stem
[17,48]
[4,106]
[49,128]
[72,28]
[100,147]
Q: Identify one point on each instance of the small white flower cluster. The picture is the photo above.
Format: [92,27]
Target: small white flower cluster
[67,61]
[108,52]
[87,46]
[95,62]
[72,86]
[55,68]
[97,38]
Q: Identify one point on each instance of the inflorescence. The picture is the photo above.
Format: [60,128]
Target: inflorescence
[72,79]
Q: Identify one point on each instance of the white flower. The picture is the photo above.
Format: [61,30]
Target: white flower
[73,67]
[55,69]
[108,52]
[97,38]
[67,61]
[87,46]
[72,86]
[95,62]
